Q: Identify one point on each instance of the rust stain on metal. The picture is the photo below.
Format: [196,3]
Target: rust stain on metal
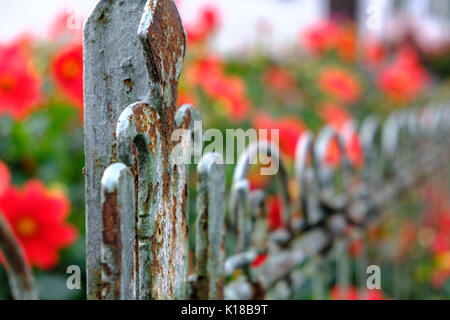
[111,221]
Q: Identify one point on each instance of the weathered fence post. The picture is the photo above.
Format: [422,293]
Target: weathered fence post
[133,56]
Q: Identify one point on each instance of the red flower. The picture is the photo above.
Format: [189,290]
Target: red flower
[441,243]
[326,36]
[279,79]
[20,84]
[341,120]
[274,210]
[340,84]
[374,54]
[5,177]
[404,79]
[208,74]
[356,248]
[334,115]
[207,23]
[340,293]
[282,84]
[37,217]
[67,72]
[321,37]
[346,44]
[352,293]
[374,294]
[289,128]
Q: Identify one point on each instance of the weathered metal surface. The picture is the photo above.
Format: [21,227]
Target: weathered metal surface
[118,228]
[114,77]
[19,271]
[133,56]
[210,228]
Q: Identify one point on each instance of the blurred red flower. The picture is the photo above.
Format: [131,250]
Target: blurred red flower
[341,121]
[356,248]
[37,217]
[279,79]
[5,177]
[346,43]
[342,293]
[208,73]
[274,212]
[290,129]
[325,36]
[334,115]
[374,54]
[20,85]
[321,36]
[282,84]
[352,293]
[405,78]
[374,294]
[207,23]
[67,72]
[340,84]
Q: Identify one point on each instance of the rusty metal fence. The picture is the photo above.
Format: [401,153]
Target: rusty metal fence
[137,197]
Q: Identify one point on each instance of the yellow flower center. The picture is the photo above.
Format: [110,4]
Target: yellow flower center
[71,68]
[7,83]
[26,227]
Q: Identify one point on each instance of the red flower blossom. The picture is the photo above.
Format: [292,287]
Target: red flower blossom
[208,73]
[334,115]
[374,54]
[404,79]
[326,36]
[341,120]
[282,84]
[346,43]
[340,293]
[321,37]
[67,72]
[340,84]
[37,217]
[20,84]
[374,294]
[356,248]
[207,23]
[289,128]
[352,293]
[5,177]
[279,79]
[274,211]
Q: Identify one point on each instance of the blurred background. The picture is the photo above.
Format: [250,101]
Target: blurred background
[293,65]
